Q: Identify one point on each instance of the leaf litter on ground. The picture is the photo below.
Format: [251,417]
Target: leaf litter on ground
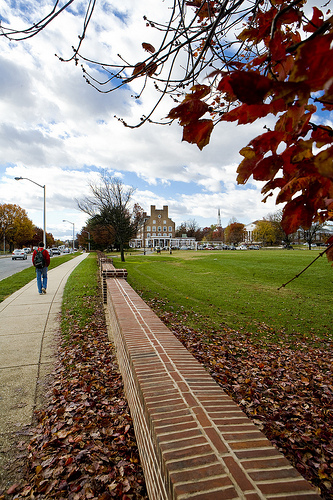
[83,444]
[284,386]
[84,447]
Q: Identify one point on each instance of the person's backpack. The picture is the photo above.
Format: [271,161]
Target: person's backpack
[39,261]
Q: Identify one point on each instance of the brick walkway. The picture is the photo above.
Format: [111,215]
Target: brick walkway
[194,440]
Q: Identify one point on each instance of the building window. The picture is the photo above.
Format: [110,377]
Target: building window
[154,234]
[148,228]
[148,235]
[170,235]
[159,216]
[154,228]
[164,234]
[159,228]
[170,228]
[154,221]
[164,222]
[159,234]
[164,228]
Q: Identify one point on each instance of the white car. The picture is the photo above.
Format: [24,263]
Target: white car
[19,254]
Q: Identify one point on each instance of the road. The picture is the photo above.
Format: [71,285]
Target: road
[9,266]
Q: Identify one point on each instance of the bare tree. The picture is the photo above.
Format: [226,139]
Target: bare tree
[309,234]
[109,206]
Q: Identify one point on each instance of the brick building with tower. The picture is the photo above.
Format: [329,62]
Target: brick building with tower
[157,229]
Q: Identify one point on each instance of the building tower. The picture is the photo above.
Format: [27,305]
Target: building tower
[218,218]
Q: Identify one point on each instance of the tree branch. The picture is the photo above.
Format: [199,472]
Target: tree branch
[307,267]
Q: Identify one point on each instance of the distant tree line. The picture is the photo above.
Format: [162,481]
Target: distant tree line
[267,232]
[17,230]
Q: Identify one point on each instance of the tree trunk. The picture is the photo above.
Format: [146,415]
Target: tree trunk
[122,255]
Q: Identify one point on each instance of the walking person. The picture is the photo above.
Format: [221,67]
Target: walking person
[41,261]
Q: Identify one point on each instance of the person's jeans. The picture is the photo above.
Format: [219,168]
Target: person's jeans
[41,278]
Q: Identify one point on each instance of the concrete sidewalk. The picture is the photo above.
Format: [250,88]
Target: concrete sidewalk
[28,324]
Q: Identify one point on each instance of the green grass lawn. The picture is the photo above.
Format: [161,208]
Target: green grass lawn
[239,289]
[79,296]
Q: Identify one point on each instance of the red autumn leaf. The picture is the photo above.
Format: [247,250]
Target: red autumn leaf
[314,63]
[324,162]
[248,113]
[278,182]
[198,92]
[267,142]
[248,165]
[198,132]
[327,99]
[277,47]
[225,87]
[296,215]
[283,68]
[139,69]
[293,186]
[267,168]
[322,135]
[316,21]
[148,47]
[151,68]
[249,87]
[290,16]
[262,27]
[188,111]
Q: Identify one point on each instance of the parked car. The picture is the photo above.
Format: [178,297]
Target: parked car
[242,247]
[55,251]
[66,250]
[27,250]
[19,254]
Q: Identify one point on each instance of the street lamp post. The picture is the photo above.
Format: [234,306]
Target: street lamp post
[44,211]
[64,220]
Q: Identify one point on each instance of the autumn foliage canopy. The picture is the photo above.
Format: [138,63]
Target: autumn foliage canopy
[241,61]
[285,71]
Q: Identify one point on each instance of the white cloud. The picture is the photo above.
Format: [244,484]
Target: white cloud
[59,131]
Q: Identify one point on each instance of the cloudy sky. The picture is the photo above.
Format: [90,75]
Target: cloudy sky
[58,131]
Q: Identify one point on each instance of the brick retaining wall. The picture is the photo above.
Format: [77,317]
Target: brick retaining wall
[108,270]
[194,440]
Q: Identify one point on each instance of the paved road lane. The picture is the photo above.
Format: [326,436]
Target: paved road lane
[8,267]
